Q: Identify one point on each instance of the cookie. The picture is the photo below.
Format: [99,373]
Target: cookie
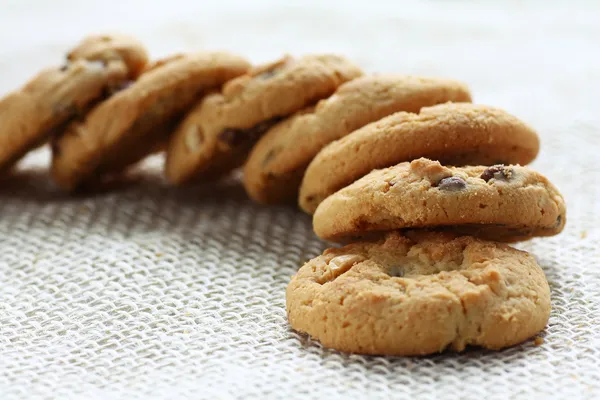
[43,106]
[132,123]
[277,163]
[505,203]
[455,134]
[419,294]
[112,47]
[217,136]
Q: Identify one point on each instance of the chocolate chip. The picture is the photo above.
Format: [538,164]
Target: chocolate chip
[236,137]
[498,172]
[558,221]
[64,67]
[452,184]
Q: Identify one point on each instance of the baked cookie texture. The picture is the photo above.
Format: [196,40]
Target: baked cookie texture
[419,294]
[43,107]
[218,134]
[107,48]
[455,134]
[504,203]
[136,121]
[276,165]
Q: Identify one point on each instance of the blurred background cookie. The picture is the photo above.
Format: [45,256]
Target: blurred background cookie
[276,165]
[218,134]
[44,106]
[137,120]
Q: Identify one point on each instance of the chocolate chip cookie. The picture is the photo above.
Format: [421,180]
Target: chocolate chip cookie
[455,134]
[419,294]
[131,124]
[217,136]
[277,163]
[501,202]
[43,107]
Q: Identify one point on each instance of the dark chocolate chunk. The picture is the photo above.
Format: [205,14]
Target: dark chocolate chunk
[236,137]
[498,172]
[558,221]
[452,184]
[64,67]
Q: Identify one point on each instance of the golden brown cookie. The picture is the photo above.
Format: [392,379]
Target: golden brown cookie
[277,163]
[43,107]
[419,294]
[218,134]
[132,123]
[505,203]
[455,134]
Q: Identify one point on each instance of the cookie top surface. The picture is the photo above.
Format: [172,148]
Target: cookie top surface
[130,124]
[453,133]
[505,203]
[419,294]
[43,106]
[112,47]
[277,163]
[226,125]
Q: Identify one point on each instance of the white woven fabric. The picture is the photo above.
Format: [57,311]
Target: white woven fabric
[150,292]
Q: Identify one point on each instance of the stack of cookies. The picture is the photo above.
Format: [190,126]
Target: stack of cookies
[426,185]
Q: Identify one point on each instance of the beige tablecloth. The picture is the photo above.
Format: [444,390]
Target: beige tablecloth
[149,292]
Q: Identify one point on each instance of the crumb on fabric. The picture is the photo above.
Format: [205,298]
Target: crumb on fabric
[538,341]
[583,234]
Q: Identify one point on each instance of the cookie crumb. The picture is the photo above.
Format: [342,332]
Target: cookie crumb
[159,254]
[538,341]
[583,234]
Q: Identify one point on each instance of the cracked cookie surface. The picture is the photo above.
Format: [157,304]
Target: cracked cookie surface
[453,133]
[419,293]
[135,121]
[277,163]
[218,134]
[505,203]
[44,106]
